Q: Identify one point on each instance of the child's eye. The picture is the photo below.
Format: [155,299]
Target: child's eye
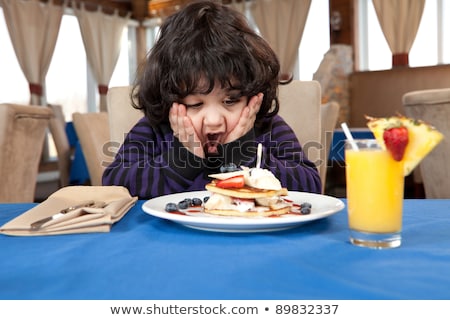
[195,105]
[230,102]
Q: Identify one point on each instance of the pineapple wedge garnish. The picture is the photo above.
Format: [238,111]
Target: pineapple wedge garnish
[422,138]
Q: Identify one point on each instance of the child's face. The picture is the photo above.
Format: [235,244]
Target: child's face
[214,116]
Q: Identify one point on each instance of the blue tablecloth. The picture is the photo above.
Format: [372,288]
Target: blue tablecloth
[144,257]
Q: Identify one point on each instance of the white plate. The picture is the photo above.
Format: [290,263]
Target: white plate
[322,206]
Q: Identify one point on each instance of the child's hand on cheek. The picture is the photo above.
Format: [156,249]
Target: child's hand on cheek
[247,119]
[184,131]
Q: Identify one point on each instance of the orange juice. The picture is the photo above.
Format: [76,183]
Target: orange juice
[375,185]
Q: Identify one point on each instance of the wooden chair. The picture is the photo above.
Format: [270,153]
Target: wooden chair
[122,116]
[300,107]
[93,133]
[22,133]
[433,107]
[329,114]
[58,131]
[50,179]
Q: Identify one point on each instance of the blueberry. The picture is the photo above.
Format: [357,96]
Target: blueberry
[306,205]
[184,204]
[197,202]
[171,207]
[205,199]
[305,210]
[189,201]
[230,167]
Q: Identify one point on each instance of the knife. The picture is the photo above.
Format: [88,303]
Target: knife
[38,224]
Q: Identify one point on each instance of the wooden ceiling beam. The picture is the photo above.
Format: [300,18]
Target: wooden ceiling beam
[124,7]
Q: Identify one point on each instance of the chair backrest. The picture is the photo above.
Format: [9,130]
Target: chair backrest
[93,133]
[300,107]
[62,145]
[22,134]
[122,116]
[433,107]
[329,114]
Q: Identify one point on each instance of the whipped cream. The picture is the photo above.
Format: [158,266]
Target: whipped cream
[261,179]
[222,202]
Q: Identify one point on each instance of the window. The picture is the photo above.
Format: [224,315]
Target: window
[431,46]
[315,40]
[67,74]
[124,72]
[424,51]
[69,81]
[13,82]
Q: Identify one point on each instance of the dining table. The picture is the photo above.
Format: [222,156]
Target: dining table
[147,257]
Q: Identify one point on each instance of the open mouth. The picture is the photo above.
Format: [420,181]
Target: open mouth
[211,145]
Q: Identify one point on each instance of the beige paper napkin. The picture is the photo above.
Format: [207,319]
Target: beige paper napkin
[116,202]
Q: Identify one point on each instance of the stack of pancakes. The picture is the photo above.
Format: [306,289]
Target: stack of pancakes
[249,200]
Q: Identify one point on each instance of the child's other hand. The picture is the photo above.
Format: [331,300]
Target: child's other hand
[247,120]
[184,130]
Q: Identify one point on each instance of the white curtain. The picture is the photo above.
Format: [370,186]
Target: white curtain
[33,27]
[101,35]
[399,20]
[281,23]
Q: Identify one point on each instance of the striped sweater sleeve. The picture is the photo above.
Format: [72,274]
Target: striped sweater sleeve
[148,165]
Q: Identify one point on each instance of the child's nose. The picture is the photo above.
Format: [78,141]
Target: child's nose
[213,116]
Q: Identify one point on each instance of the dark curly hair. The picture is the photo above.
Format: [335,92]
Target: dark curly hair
[206,41]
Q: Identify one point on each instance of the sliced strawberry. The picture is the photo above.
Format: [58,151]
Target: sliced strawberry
[396,140]
[234,182]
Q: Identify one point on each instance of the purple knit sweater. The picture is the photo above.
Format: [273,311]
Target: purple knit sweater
[152,162]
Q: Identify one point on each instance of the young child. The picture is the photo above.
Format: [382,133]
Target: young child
[208,90]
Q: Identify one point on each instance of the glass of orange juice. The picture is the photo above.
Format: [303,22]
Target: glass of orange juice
[375,185]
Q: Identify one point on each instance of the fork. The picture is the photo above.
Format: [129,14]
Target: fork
[94,204]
